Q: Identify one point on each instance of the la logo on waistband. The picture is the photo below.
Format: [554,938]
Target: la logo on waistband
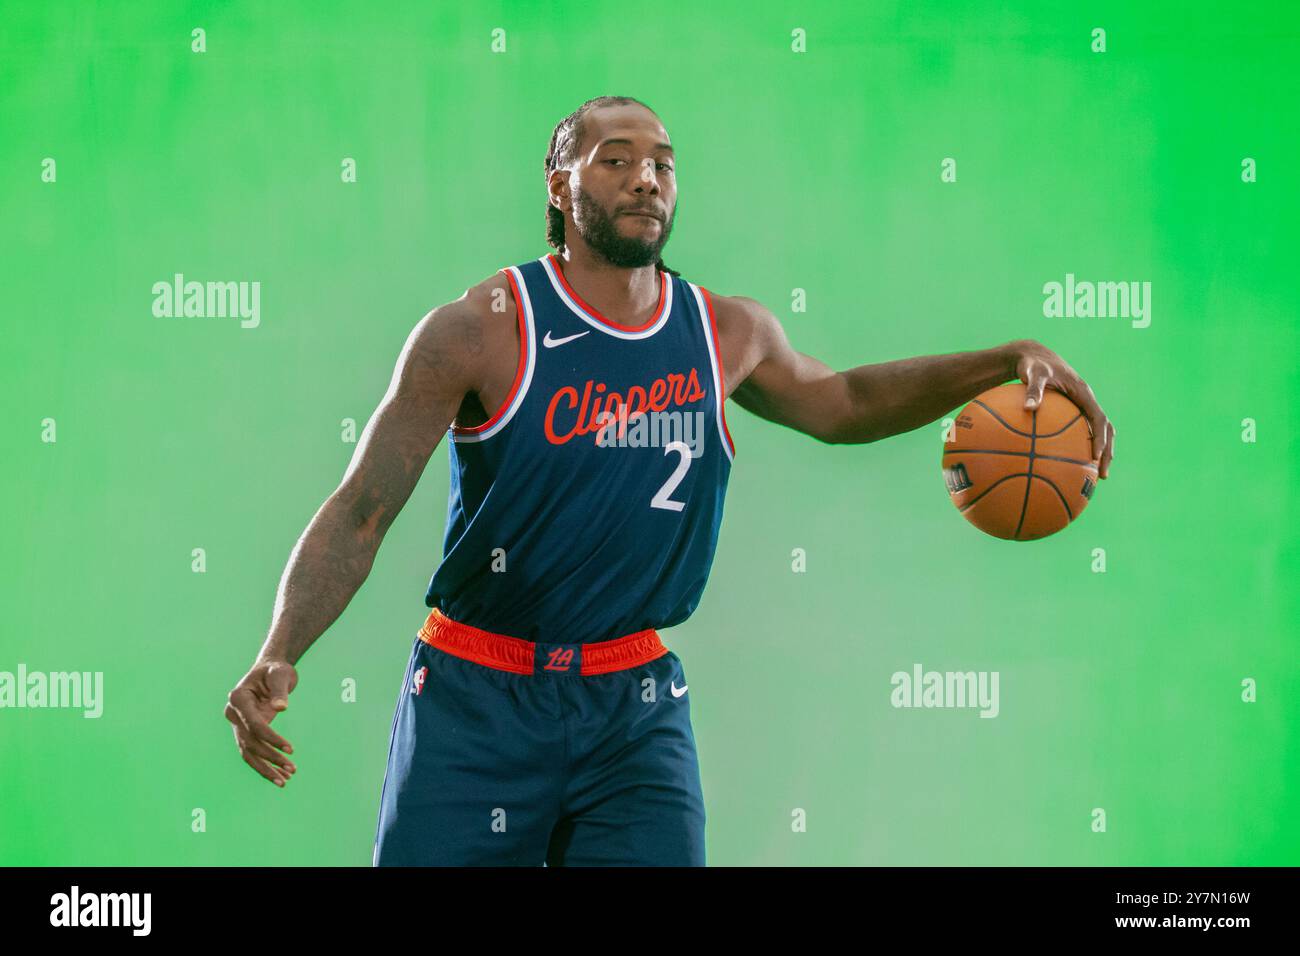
[559,659]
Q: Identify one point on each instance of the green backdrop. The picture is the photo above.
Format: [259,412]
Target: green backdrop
[818,171]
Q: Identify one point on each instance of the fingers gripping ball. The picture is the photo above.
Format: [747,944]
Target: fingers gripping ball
[1017,473]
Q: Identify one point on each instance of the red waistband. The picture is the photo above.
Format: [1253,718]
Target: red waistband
[520,657]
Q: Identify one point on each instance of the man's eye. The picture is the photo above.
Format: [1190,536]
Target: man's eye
[660,165]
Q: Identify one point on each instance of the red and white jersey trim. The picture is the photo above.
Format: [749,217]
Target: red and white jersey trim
[523,372]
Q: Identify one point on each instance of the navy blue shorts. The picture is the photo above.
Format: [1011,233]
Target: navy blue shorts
[489,767]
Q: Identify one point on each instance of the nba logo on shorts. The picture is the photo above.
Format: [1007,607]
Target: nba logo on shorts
[417,682]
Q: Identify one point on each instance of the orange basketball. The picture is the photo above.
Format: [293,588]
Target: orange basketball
[1016,473]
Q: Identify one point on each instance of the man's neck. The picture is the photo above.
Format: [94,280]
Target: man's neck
[627,296]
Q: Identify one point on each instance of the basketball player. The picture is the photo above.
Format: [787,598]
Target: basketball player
[541,719]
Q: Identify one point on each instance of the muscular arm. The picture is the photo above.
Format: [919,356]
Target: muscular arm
[437,367]
[871,402]
[442,361]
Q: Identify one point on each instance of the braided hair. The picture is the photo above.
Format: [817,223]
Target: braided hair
[563,149]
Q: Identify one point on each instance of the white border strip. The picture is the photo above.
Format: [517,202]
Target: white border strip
[715,363]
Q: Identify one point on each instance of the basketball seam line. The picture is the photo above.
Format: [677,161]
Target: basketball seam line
[1056,488]
[1024,505]
[1021,454]
[1009,426]
[1020,474]
[976,500]
[1064,504]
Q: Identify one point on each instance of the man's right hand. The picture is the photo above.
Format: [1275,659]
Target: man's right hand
[254,702]
[450,353]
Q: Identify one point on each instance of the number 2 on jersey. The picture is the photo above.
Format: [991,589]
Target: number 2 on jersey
[661,498]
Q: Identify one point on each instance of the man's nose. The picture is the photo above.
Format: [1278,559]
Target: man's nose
[646,179]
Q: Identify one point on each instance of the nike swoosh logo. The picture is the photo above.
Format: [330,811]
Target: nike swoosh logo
[551,343]
[676,692]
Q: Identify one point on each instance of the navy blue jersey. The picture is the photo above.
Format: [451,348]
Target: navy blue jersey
[587,507]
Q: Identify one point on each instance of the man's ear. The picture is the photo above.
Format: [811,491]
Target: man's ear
[557,187]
